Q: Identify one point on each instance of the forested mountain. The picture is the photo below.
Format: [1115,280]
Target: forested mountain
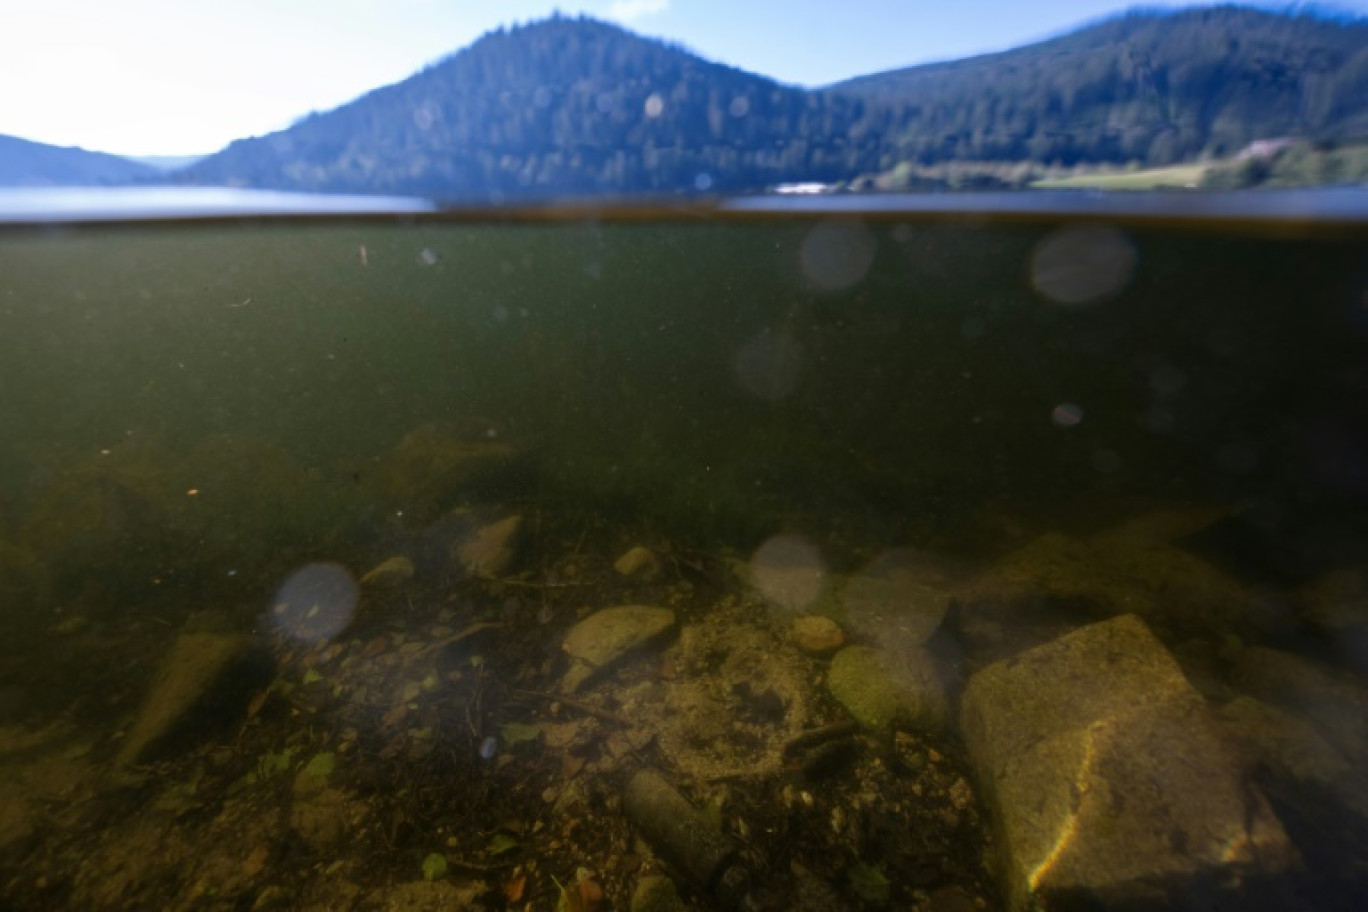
[1148,87]
[580,107]
[31,164]
[577,106]
[562,106]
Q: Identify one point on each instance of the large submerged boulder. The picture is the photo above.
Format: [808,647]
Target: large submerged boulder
[1108,780]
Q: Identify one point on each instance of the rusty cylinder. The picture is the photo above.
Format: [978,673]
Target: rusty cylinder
[684,837]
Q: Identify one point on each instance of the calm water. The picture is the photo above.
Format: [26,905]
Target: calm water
[303,522]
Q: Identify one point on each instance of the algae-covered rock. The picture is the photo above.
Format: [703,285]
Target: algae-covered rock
[606,637]
[1056,582]
[203,684]
[657,893]
[434,465]
[880,688]
[490,552]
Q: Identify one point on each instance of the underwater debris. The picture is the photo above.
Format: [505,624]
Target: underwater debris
[686,839]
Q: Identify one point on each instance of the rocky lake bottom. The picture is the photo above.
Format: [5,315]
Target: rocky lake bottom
[508,704]
[797,564]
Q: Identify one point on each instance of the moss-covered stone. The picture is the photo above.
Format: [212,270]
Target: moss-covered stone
[657,893]
[880,688]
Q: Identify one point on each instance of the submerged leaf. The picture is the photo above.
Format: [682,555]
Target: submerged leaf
[519,732]
[870,883]
[502,842]
[322,765]
[434,866]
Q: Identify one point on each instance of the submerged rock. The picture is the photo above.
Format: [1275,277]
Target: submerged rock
[322,819]
[1336,605]
[639,564]
[899,600]
[880,688]
[492,549]
[1109,782]
[657,893]
[1056,582]
[389,573]
[606,637]
[23,578]
[203,684]
[1332,700]
[815,635]
[436,465]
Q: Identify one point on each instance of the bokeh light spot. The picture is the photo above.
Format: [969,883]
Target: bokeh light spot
[899,596]
[1082,264]
[1066,415]
[836,255]
[315,602]
[789,572]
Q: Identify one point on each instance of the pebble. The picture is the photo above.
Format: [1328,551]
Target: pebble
[602,639]
[816,635]
[493,549]
[639,563]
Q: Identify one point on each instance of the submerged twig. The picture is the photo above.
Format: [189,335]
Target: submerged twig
[606,715]
[815,736]
[457,637]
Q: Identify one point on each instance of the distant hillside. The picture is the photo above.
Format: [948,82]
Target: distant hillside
[562,106]
[578,107]
[1148,87]
[166,162]
[31,164]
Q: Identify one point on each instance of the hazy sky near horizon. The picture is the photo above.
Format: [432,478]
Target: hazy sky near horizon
[176,77]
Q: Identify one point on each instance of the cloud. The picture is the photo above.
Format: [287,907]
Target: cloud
[632,10]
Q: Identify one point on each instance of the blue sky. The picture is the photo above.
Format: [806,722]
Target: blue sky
[172,77]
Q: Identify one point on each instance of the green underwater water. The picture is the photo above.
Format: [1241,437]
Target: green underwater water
[696,371]
[192,411]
